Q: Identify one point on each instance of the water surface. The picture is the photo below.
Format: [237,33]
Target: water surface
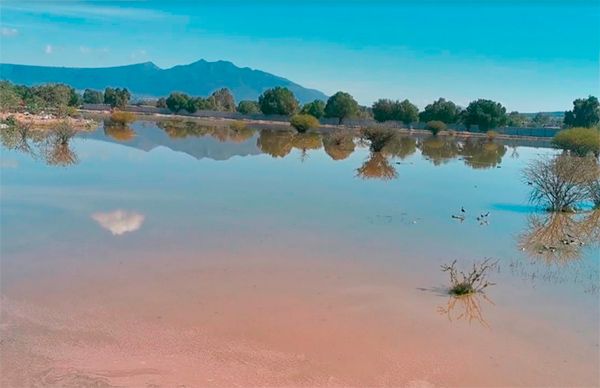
[207,255]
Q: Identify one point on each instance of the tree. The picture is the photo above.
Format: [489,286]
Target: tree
[541,119]
[315,109]
[93,96]
[248,107]
[278,101]
[579,140]
[223,100]
[56,95]
[116,98]
[407,112]
[200,103]
[585,113]
[341,105]
[383,109]
[9,97]
[161,102]
[441,110]
[516,119]
[486,114]
[178,101]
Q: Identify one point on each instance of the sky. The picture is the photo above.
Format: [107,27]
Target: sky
[529,55]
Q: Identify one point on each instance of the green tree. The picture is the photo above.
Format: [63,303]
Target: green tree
[516,119]
[161,102]
[585,113]
[541,119]
[407,112]
[315,109]
[93,96]
[56,95]
[486,114]
[248,107]
[341,105]
[384,109]
[116,98]
[179,101]
[278,101]
[10,100]
[223,100]
[441,110]
[201,103]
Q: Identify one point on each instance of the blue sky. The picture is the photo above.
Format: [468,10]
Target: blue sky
[529,55]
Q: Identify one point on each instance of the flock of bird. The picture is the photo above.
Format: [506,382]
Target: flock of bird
[482,218]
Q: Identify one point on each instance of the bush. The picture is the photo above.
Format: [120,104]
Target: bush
[378,137]
[303,123]
[491,135]
[580,141]
[465,283]
[435,127]
[122,117]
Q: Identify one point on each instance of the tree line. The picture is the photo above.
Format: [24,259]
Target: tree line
[483,113]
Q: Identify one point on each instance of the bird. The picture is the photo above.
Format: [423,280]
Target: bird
[462,209]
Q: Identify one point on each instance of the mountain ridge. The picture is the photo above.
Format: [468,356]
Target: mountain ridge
[199,78]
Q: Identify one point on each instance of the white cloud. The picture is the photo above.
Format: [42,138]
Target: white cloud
[6,31]
[119,222]
[90,50]
[49,49]
[85,49]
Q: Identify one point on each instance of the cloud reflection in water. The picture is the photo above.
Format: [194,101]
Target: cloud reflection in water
[119,222]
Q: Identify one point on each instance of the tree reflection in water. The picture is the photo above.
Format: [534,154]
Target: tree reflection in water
[119,132]
[306,141]
[50,145]
[466,308]
[377,167]
[482,153]
[400,146]
[560,237]
[275,142]
[338,144]
[440,149]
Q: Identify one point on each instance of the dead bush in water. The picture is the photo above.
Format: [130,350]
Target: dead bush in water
[475,280]
[561,183]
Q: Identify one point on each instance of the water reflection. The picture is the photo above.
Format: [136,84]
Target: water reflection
[53,146]
[377,167]
[119,222]
[482,153]
[559,237]
[119,132]
[275,142]
[338,144]
[466,308]
[400,146]
[440,149]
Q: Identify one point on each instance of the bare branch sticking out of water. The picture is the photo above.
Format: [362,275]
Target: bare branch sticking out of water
[473,281]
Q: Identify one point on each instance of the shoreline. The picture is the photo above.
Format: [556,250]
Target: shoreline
[89,118]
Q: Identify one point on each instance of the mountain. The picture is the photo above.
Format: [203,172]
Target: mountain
[200,78]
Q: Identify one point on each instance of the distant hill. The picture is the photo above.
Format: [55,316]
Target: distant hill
[200,78]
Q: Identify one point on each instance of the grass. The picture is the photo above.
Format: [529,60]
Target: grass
[471,282]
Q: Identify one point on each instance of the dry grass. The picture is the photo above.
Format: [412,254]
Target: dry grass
[473,281]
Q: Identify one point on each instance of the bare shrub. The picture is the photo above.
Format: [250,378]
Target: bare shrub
[378,137]
[561,183]
[475,280]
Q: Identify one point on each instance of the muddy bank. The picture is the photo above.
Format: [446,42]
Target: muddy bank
[48,121]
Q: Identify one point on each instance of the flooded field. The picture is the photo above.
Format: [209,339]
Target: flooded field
[177,254]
